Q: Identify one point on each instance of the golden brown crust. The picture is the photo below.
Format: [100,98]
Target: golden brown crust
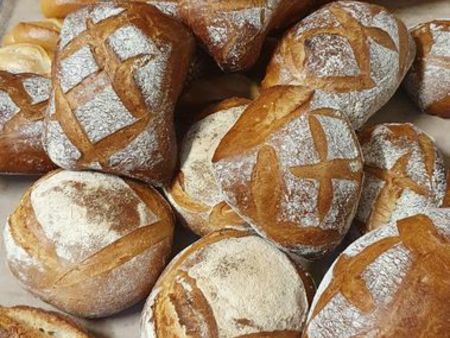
[21,150]
[446,203]
[234,32]
[29,322]
[25,58]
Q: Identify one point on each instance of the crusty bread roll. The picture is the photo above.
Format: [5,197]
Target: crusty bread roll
[428,81]
[228,284]
[393,282]
[29,322]
[23,100]
[404,174]
[89,243]
[353,54]
[117,75]
[194,192]
[43,33]
[292,172]
[25,58]
[234,31]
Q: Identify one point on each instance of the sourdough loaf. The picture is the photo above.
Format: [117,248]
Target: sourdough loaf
[89,243]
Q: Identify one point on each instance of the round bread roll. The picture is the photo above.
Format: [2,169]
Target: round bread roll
[29,322]
[194,192]
[88,243]
[404,174]
[393,282]
[428,81]
[353,54]
[293,172]
[25,58]
[228,284]
[117,75]
[23,100]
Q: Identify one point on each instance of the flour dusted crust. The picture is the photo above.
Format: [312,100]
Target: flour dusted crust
[29,322]
[23,99]
[228,284]
[194,192]
[234,31]
[353,54]
[428,81]
[393,282]
[293,172]
[404,174]
[89,243]
[118,72]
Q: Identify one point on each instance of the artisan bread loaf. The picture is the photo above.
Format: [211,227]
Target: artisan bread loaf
[234,32]
[25,58]
[228,284]
[393,282]
[43,33]
[404,174]
[117,75]
[353,54]
[23,100]
[291,171]
[194,192]
[89,243]
[28,322]
[428,81]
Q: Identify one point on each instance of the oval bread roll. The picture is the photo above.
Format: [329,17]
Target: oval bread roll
[89,243]
[29,322]
[117,75]
[353,54]
[25,58]
[393,282]
[194,192]
[404,174]
[428,81]
[228,284]
[294,173]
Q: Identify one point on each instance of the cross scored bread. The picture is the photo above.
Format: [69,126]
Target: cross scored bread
[89,243]
[23,99]
[117,75]
[294,173]
[393,282]
[354,55]
[228,284]
[404,174]
[428,80]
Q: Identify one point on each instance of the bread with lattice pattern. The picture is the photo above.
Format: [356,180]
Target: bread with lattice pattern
[404,174]
[117,75]
[89,243]
[428,81]
[229,284]
[293,172]
[353,54]
[23,100]
[30,322]
[392,282]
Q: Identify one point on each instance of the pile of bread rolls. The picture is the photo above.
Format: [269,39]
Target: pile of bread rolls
[275,166]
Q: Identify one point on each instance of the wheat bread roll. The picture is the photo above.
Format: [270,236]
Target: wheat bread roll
[25,58]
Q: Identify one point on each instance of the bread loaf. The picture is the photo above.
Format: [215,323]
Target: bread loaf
[291,171]
[194,192]
[404,174]
[25,58]
[90,244]
[117,75]
[354,55]
[43,33]
[234,32]
[23,99]
[28,322]
[393,282]
[428,81]
[228,284]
